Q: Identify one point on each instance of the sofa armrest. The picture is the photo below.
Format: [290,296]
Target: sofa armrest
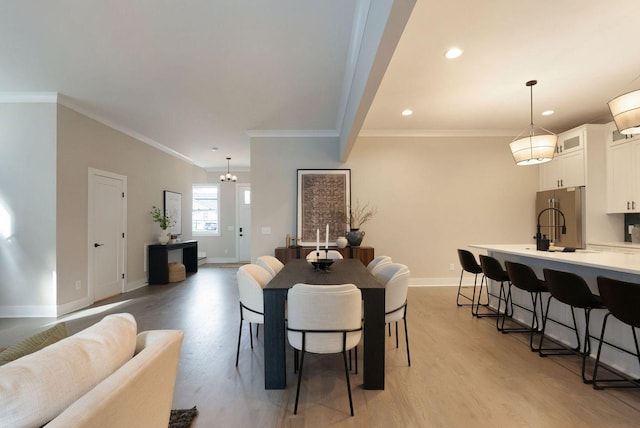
[139,394]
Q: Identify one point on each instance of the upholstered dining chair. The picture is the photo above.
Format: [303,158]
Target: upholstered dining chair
[270,264]
[324,254]
[251,280]
[324,319]
[395,277]
[378,261]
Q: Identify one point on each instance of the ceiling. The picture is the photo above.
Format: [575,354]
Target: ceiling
[189,76]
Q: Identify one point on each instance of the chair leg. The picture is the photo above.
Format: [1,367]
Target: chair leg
[251,335]
[295,409]
[346,374]
[406,337]
[561,350]
[257,329]
[460,294]
[239,337]
[587,345]
[477,313]
[397,346]
[616,382]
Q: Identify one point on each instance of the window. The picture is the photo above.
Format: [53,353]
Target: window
[205,219]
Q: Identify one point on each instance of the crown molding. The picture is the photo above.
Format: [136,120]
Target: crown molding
[292,133]
[69,103]
[28,97]
[438,133]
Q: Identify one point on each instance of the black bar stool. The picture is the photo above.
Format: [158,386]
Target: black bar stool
[492,269]
[469,264]
[572,290]
[524,278]
[623,300]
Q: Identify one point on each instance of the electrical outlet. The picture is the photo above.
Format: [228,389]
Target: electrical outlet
[451,266]
[78,285]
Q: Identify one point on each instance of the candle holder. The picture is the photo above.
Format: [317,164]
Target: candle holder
[322,264]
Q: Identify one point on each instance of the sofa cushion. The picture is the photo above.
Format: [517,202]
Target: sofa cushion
[34,343]
[37,387]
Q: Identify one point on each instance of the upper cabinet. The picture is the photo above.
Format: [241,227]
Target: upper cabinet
[623,172]
[567,169]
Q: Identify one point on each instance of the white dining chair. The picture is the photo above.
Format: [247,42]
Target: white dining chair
[378,261]
[323,254]
[395,277]
[251,280]
[270,264]
[324,319]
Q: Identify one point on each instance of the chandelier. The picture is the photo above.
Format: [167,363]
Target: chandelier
[533,149]
[228,176]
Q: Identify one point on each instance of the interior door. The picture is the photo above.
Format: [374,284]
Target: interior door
[243,210]
[107,210]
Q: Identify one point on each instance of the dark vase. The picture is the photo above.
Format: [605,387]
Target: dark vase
[354,237]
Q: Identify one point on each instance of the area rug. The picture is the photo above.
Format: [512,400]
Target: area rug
[182,418]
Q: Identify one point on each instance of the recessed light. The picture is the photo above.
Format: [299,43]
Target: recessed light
[453,53]
[407,112]
[214,149]
[548,112]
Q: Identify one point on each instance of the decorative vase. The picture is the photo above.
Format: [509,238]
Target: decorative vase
[354,237]
[165,236]
[341,242]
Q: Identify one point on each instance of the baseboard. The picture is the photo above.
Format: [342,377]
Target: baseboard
[221,260]
[134,285]
[440,282]
[73,306]
[28,311]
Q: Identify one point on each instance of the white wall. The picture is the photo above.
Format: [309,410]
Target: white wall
[434,195]
[28,197]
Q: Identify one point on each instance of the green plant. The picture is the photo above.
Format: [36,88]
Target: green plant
[163,219]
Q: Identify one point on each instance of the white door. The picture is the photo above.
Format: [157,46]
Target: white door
[107,217]
[243,210]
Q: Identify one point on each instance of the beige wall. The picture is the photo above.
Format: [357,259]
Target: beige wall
[84,143]
[434,195]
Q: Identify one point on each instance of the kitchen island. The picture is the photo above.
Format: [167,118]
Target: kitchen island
[589,264]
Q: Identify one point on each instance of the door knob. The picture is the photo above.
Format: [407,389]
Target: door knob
[96,245]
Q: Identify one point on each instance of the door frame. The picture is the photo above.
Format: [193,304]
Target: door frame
[90,232]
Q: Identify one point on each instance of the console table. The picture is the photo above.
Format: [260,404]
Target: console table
[364,254]
[159,260]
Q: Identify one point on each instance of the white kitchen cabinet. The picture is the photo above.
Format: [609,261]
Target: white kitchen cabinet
[623,175]
[567,169]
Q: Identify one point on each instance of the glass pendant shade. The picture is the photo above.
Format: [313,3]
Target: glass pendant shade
[533,149]
[626,112]
[228,176]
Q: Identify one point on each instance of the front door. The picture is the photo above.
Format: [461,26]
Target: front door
[243,199]
[107,216]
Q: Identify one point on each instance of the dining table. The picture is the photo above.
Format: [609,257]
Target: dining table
[343,271]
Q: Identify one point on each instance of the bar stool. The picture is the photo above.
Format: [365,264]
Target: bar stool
[572,290]
[469,264]
[523,277]
[622,299]
[492,269]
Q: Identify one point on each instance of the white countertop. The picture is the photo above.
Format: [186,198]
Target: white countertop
[615,261]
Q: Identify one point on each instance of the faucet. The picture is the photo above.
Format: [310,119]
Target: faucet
[539,237]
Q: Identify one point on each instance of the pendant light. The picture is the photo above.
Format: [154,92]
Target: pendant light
[533,148]
[626,112]
[228,176]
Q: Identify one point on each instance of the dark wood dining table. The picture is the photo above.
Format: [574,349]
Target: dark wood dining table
[346,271]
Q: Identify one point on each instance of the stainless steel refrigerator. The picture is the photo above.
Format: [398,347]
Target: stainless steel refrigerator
[552,206]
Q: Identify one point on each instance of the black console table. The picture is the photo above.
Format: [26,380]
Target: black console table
[159,260]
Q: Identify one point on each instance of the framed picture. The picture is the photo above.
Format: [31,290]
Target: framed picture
[323,198]
[173,208]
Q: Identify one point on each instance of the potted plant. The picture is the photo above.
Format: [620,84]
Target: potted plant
[357,216]
[165,222]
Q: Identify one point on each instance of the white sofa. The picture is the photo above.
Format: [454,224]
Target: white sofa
[104,376]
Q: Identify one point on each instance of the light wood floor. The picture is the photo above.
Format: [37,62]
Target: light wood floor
[464,373]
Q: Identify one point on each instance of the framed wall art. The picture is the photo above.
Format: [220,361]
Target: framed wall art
[173,208]
[323,198]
